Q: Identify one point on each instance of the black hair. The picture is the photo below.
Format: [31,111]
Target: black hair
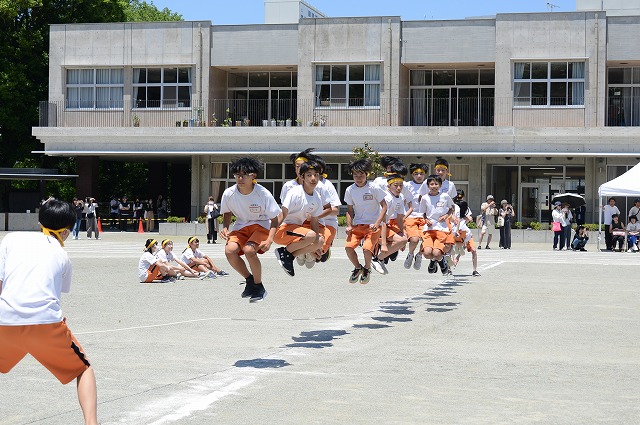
[322,164]
[55,214]
[442,161]
[633,216]
[398,168]
[434,177]
[148,247]
[246,165]
[414,166]
[386,161]
[307,153]
[460,193]
[611,199]
[309,165]
[363,165]
[615,216]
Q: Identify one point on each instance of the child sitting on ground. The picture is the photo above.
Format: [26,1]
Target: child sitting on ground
[195,259]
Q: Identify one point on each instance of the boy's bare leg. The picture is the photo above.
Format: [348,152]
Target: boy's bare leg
[231,252]
[368,255]
[254,262]
[88,396]
[353,257]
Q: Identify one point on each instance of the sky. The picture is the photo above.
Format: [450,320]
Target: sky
[233,12]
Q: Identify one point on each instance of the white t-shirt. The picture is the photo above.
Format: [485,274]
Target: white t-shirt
[258,207]
[462,226]
[395,206]
[440,205]
[301,206]
[165,256]
[34,270]
[608,212]
[329,196]
[365,201]
[415,189]
[489,214]
[287,187]
[449,188]
[633,227]
[188,255]
[145,262]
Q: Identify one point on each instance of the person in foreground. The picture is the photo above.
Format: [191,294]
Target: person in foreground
[31,320]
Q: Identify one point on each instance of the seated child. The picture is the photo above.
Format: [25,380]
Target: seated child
[632,231]
[195,259]
[150,268]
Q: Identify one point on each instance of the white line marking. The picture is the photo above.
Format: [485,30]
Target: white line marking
[490,266]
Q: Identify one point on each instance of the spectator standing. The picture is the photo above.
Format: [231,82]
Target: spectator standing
[149,215]
[78,208]
[556,225]
[635,209]
[565,222]
[506,212]
[163,210]
[609,211]
[212,212]
[489,212]
[92,217]
[580,215]
[114,212]
[125,213]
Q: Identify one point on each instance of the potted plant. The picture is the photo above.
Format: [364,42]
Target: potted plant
[288,122]
[246,122]
[214,120]
[227,121]
[298,122]
[136,120]
[185,123]
[178,123]
[273,122]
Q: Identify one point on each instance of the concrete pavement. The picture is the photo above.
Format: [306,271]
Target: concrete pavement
[541,337]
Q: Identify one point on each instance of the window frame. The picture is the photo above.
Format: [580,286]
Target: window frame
[161,86]
[94,86]
[323,102]
[527,101]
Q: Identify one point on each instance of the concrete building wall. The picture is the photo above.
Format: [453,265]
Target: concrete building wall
[623,34]
[254,45]
[433,42]
[612,7]
[549,37]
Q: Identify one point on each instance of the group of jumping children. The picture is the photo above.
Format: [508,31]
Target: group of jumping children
[383,216]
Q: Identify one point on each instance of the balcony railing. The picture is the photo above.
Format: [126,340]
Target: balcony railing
[452,112]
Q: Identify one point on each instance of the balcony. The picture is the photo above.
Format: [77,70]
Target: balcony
[403,112]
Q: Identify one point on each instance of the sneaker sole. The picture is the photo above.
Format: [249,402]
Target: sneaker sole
[258,299]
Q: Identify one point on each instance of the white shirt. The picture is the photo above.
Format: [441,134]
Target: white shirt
[415,189]
[608,212]
[489,214]
[565,219]
[146,261]
[395,206]
[365,201]
[462,226]
[188,255]
[258,207]
[301,206]
[440,205]
[449,188]
[329,196]
[34,270]
[165,256]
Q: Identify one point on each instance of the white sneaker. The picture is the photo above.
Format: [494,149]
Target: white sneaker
[377,265]
[408,261]
[301,260]
[634,248]
[449,260]
[309,260]
[417,263]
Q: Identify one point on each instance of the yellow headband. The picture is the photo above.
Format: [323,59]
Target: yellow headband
[150,244]
[443,167]
[301,158]
[395,180]
[192,239]
[419,170]
[387,173]
[54,233]
[165,242]
[324,175]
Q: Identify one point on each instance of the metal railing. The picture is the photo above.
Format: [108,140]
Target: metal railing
[454,112]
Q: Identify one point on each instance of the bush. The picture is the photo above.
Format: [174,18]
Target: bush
[174,219]
[342,221]
[518,225]
[593,227]
[534,225]
[202,219]
[472,225]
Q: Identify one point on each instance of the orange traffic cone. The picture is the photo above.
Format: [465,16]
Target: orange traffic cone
[99,225]
[140,229]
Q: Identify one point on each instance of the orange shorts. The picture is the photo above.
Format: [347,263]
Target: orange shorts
[253,233]
[413,226]
[360,232]
[153,273]
[435,239]
[53,345]
[451,239]
[471,246]
[282,238]
[329,235]
[392,229]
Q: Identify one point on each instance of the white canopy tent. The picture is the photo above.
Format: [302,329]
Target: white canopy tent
[627,184]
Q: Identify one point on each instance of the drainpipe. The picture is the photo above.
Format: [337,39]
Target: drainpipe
[597,71]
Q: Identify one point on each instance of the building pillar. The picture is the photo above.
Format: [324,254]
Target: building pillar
[88,168]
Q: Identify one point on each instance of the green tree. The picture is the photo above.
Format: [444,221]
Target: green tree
[141,11]
[368,152]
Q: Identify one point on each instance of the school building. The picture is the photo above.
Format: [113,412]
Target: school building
[522,106]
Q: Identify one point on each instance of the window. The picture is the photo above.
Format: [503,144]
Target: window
[548,83]
[348,85]
[101,88]
[623,109]
[162,87]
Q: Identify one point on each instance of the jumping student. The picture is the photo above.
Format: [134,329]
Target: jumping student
[178,270]
[34,271]
[150,268]
[442,170]
[414,222]
[366,209]
[464,237]
[256,213]
[299,229]
[437,208]
[392,237]
[195,259]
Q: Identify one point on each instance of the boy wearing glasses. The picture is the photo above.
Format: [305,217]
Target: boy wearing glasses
[256,213]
